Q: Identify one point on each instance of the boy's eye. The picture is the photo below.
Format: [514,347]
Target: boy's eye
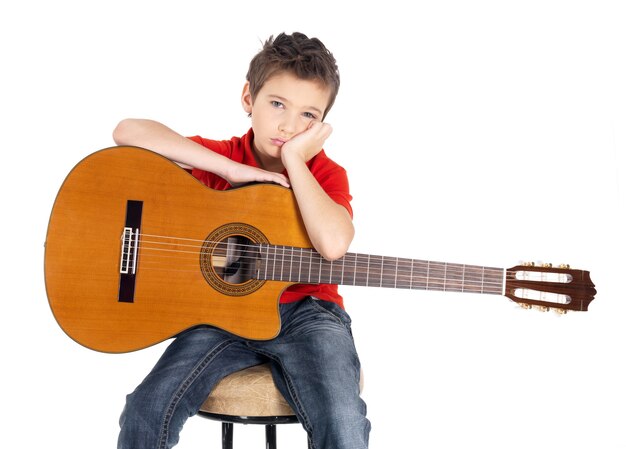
[277,104]
[310,116]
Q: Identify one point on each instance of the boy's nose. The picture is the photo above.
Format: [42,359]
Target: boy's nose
[287,125]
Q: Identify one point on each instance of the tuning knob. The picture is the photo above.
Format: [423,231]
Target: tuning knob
[546,265]
[565,266]
[528,264]
[542,308]
[524,305]
[560,311]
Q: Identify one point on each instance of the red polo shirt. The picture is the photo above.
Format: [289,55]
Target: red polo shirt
[331,177]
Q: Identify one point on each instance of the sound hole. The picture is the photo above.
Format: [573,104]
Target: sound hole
[234,259]
[229,258]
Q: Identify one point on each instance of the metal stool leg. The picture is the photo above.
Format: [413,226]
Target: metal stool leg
[270,436]
[227,435]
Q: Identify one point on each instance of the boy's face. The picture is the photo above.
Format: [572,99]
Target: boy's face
[284,107]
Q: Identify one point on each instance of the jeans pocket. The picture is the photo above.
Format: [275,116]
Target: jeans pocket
[332,309]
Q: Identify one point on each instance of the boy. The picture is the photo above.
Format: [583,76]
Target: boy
[291,85]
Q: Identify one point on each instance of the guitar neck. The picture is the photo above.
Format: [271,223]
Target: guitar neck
[306,266]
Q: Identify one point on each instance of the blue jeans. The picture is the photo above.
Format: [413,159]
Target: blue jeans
[314,364]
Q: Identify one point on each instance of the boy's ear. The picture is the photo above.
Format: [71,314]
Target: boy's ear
[246,98]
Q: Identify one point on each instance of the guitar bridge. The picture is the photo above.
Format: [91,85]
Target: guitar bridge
[130,251]
[128,261]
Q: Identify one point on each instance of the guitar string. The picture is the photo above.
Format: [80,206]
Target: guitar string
[275,248]
[483,283]
[475,276]
[474,279]
[404,279]
[467,276]
[416,282]
[275,251]
[402,269]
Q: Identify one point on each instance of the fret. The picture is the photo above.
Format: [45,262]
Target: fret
[482,281]
[343,266]
[494,281]
[310,265]
[420,277]
[282,258]
[319,277]
[463,279]
[323,267]
[337,271]
[266,261]
[292,275]
[349,269]
[389,273]
[361,270]
[305,261]
[404,276]
[272,269]
[395,280]
[454,277]
[375,271]
[436,276]
[474,279]
[274,264]
[279,263]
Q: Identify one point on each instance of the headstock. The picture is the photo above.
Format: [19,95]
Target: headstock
[546,287]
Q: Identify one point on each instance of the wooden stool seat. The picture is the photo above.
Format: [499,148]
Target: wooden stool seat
[248,396]
[250,392]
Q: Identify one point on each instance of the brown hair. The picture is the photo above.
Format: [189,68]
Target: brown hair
[307,58]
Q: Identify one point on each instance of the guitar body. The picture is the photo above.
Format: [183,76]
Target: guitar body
[170,292]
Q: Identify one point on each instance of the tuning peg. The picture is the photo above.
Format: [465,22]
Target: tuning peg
[542,308]
[546,265]
[565,266]
[528,264]
[524,305]
[560,311]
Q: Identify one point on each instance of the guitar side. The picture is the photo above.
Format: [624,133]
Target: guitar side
[85,250]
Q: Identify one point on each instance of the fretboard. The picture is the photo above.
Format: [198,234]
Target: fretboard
[306,266]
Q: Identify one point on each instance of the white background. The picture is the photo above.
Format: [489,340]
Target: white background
[483,132]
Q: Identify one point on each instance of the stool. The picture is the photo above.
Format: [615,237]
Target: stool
[248,397]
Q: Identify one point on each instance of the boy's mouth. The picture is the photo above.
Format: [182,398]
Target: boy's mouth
[278,142]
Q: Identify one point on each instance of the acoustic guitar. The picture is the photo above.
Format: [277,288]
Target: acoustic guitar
[138,250]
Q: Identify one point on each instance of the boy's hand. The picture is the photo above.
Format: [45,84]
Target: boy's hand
[241,174]
[306,144]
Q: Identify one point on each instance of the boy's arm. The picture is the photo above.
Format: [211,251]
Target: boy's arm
[159,138]
[328,224]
